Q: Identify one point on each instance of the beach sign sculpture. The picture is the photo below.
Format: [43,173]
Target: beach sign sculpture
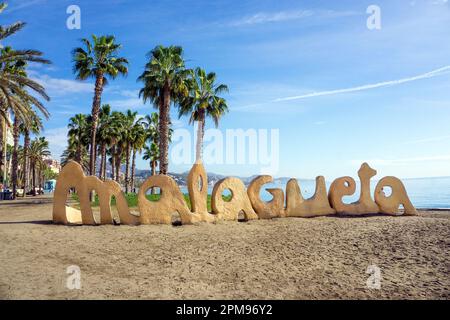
[243,200]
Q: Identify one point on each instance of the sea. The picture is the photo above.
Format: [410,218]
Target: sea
[423,192]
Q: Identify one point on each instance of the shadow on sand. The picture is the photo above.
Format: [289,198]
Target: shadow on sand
[42,222]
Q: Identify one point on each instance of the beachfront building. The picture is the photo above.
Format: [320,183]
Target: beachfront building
[53,164]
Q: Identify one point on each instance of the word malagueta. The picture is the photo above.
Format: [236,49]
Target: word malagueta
[246,201]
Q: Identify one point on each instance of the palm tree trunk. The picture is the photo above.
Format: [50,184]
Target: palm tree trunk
[100,170]
[133,170]
[26,144]
[34,178]
[94,114]
[40,178]
[164,130]
[103,163]
[78,152]
[113,162]
[118,164]
[2,145]
[200,135]
[15,161]
[153,166]
[127,167]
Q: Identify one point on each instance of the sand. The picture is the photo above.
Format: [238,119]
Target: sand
[289,258]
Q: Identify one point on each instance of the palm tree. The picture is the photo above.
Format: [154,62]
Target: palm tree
[70,153]
[23,113]
[138,138]
[98,60]
[15,85]
[151,125]
[6,31]
[116,136]
[130,120]
[117,141]
[38,151]
[104,135]
[2,149]
[164,82]
[15,156]
[34,128]
[151,153]
[203,101]
[78,135]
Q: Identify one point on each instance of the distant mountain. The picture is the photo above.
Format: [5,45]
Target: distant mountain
[180,178]
[213,178]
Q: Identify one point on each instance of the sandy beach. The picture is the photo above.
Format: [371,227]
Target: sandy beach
[289,258]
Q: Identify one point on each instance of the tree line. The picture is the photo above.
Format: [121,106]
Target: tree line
[111,136]
[20,101]
[117,136]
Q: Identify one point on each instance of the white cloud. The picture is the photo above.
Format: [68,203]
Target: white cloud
[434,73]
[24,4]
[402,161]
[59,87]
[438,2]
[427,140]
[130,100]
[129,103]
[262,17]
[282,16]
[57,138]
[129,93]
[431,74]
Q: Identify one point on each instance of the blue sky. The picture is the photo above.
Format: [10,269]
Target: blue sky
[266,51]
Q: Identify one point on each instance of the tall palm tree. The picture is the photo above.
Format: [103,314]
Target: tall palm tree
[130,121]
[34,128]
[70,153]
[203,101]
[2,148]
[15,156]
[116,136]
[22,115]
[98,60]
[138,138]
[104,134]
[15,83]
[78,135]
[38,151]
[151,125]
[117,141]
[16,68]
[151,153]
[15,86]
[164,81]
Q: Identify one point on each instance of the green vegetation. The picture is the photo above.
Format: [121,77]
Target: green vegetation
[132,200]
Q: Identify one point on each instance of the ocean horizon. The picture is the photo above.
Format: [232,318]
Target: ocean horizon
[425,193]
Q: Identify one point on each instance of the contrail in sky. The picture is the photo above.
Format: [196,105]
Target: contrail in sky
[430,74]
